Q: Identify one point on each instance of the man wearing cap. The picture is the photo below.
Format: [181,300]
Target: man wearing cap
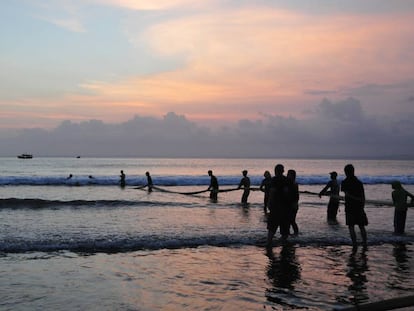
[333,204]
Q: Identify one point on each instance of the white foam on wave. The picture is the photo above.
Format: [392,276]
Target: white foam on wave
[181,180]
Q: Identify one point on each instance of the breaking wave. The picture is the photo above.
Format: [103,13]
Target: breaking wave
[183,180]
[116,244]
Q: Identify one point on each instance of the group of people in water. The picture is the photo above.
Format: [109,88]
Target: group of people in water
[149,184]
[355,200]
[281,201]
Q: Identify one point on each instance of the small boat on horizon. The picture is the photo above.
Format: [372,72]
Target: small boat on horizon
[25,156]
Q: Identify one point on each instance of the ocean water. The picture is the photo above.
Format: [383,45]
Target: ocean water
[88,244]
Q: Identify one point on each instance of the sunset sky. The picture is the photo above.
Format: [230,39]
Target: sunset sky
[209,63]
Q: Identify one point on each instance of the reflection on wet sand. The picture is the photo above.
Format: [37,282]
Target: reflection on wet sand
[358,266]
[283,272]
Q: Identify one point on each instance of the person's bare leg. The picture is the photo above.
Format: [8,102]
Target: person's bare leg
[364,235]
[270,236]
[353,236]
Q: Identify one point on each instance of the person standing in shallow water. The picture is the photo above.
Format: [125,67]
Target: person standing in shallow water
[291,176]
[122,179]
[354,205]
[149,181]
[213,187]
[333,204]
[399,199]
[280,201]
[265,187]
[245,183]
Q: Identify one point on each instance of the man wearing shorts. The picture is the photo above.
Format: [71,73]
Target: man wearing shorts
[354,205]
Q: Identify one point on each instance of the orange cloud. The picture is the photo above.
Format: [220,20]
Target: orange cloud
[263,53]
[231,59]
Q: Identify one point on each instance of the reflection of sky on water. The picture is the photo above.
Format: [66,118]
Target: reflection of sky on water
[357,268]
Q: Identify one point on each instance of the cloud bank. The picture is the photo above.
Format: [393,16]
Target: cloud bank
[110,59]
[332,130]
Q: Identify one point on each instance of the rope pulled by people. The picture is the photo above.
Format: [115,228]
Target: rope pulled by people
[178,192]
[194,192]
[189,193]
[228,190]
[342,198]
[141,187]
[254,189]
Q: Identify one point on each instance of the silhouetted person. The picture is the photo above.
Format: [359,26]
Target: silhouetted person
[333,204]
[91,177]
[291,176]
[265,187]
[149,181]
[245,183]
[399,199]
[69,177]
[354,205]
[214,186]
[279,205]
[122,179]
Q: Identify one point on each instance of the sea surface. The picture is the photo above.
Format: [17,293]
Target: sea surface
[86,243]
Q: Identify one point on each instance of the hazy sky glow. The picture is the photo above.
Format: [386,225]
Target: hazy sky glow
[213,63]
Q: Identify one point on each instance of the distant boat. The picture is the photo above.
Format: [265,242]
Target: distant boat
[25,156]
